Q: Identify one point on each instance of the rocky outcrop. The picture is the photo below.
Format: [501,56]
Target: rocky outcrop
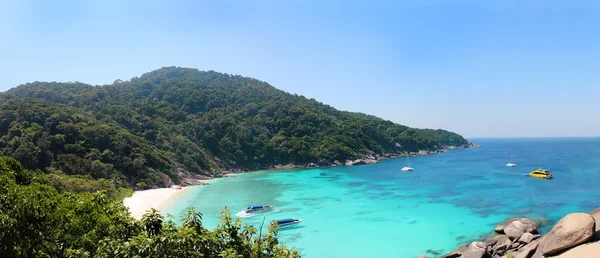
[371,161]
[500,228]
[527,251]
[596,215]
[355,162]
[529,222]
[452,255]
[527,237]
[515,230]
[473,145]
[519,227]
[476,250]
[518,237]
[571,230]
[583,251]
[502,243]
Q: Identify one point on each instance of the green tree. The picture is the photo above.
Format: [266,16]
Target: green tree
[40,221]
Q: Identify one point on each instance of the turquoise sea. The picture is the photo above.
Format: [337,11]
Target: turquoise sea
[378,211]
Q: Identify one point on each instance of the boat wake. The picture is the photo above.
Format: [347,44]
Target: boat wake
[244,214]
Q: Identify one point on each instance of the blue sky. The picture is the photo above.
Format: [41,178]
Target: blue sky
[479,68]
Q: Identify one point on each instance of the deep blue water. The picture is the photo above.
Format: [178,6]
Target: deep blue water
[378,211]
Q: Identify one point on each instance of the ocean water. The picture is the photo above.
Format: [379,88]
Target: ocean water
[379,211]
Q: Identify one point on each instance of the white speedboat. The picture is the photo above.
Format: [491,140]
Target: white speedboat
[287,222]
[407,168]
[258,207]
[511,164]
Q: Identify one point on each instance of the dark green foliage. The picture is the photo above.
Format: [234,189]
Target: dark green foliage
[149,129]
[36,220]
[85,183]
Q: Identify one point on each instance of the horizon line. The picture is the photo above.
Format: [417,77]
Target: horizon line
[526,137]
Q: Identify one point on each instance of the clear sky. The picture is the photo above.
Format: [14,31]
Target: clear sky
[479,68]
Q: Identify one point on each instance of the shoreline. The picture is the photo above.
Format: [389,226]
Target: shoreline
[144,200]
[367,159]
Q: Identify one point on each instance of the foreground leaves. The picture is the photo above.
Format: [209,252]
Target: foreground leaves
[36,220]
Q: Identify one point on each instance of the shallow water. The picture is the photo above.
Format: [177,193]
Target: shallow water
[378,211]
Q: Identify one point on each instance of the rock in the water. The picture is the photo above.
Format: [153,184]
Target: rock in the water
[591,250]
[452,255]
[515,230]
[527,237]
[501,226]
[422,256]
[531,224]
[571,230]
[596,215]
[527,251]
[476,250]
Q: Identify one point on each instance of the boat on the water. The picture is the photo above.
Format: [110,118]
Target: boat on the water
[541,173]
[511,163]
[408,167]
[258,207]
[287,222]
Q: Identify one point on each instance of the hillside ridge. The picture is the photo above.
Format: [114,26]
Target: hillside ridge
[174,123]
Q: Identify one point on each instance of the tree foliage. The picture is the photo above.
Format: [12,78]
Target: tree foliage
[151,129]
[37,220]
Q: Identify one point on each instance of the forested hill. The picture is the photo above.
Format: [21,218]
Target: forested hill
[174,121]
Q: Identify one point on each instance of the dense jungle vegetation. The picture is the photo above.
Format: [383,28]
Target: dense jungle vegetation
[152,130]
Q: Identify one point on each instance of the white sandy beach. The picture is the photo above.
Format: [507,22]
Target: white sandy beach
[141,201]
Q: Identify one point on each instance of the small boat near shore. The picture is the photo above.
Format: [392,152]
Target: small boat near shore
[510,163]
[287,222]
[408,167]
[258,207]
[541,173]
